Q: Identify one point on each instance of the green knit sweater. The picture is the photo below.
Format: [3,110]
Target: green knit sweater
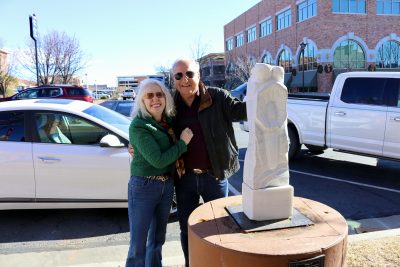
[154,153]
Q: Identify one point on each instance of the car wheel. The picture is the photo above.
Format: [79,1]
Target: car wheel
[294,144]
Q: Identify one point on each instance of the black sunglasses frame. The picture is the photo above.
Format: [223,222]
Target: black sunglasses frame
[179,75]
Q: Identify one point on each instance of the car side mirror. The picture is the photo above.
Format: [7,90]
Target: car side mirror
[111,140]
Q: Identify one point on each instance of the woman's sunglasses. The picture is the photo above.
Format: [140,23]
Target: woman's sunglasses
[152,95]
[179,75]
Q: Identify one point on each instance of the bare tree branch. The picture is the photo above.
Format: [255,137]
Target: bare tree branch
[238,69]
[59,58]
[199,49]
[8,80]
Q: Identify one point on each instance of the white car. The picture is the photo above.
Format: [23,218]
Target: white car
[129,94]
[91,171]
[100,95]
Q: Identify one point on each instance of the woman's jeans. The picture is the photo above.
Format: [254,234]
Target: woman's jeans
[149,205]
[189,188]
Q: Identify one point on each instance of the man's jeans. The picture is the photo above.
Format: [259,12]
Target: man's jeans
[149,205]
[189,188]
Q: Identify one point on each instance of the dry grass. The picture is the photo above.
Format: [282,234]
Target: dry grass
[376,252]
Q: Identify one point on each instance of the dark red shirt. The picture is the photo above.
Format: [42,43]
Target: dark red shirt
[196,157]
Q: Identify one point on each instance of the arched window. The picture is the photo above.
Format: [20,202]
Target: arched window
[349,54]
[267,59]
[388,55]
[285,60]
[310,58]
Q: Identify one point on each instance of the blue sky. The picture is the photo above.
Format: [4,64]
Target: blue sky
[123,37]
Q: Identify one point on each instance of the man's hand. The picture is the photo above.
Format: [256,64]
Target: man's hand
[130,149]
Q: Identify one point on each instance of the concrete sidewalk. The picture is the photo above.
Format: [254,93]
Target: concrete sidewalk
[377,248]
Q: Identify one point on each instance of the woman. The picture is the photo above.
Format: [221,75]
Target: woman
[151,187]
[51,133]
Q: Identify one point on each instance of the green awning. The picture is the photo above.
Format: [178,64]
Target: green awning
[310,79]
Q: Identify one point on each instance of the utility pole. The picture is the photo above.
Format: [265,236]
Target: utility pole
[33,29]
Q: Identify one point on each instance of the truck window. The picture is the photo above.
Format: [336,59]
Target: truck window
[362,90]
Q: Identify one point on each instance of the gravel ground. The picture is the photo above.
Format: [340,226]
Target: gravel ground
[376,252]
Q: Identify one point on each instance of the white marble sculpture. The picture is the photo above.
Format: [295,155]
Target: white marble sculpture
[266,191]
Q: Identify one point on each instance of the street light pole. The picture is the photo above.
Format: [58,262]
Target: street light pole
[302,47]
[33,28]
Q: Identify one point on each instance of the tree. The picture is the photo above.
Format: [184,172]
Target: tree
[238,69]
[166,71]
[199,50]
[7,79]
[59,58]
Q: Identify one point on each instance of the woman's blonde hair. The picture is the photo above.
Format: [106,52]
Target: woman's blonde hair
[140,108]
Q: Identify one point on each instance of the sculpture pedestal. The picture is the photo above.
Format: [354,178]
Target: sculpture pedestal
[216,240]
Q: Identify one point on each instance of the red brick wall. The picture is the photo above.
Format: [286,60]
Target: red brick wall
[324,30]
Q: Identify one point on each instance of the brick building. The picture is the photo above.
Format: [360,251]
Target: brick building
[212,69]
[336,35]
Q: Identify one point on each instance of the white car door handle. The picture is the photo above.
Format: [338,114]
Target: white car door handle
[340,113]
[396,119]
[48,159]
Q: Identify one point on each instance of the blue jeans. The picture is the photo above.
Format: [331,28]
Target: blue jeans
[189,188]
[149,204]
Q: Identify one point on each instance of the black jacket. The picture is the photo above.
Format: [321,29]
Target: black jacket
[217,110]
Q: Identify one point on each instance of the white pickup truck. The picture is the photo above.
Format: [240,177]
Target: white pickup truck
[361,116]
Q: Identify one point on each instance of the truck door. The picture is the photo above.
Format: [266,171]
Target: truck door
[391,144]
[358,116]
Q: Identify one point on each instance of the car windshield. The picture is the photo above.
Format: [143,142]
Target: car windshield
[111,117]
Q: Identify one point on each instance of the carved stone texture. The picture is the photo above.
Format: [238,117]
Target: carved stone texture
[266,160]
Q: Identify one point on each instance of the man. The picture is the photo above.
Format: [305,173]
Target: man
[212,155]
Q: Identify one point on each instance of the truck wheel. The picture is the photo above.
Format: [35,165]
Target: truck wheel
[315,149]
[294,144]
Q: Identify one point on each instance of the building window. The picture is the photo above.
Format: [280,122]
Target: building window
[267,59]
[349,6]
[229,44]
[218,70]
[266,28]
[389,7]
[205,71]
[310,58]
[349,55]
[283,20]
[251,34]
[388,55]
[285,60]
[239,40]
[306,10]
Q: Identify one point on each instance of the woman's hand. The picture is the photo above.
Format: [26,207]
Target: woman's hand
[130,149]
[186,135]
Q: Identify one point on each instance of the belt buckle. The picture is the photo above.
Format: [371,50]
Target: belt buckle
[198,171]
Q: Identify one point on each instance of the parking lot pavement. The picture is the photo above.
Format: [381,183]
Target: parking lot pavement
[376,248]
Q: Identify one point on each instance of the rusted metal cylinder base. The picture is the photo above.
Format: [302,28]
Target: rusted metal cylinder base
[216,240]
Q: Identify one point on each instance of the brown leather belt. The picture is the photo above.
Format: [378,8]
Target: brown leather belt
[161,178]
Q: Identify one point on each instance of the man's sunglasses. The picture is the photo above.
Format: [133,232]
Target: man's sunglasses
[152,95]
[179,75]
